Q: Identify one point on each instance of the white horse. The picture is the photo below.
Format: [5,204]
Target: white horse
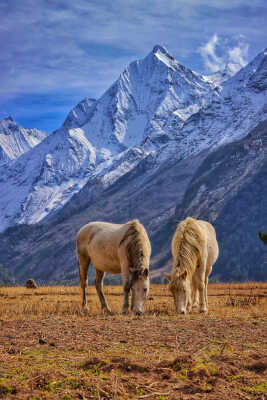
[194,251]
[116,249]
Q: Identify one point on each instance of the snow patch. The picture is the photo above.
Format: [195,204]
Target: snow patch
[134,133]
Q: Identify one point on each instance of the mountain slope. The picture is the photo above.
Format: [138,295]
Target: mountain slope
[15,140]
[149,105]
[98,171]
[226,187]
[47,251]
[79,115]
[138,109]
[220,76]
[229,190]
[241,106]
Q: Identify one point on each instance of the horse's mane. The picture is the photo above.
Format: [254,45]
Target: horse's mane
[137,246]
[187,247]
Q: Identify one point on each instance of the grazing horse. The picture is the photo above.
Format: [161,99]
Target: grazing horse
[194,251]
[116,249]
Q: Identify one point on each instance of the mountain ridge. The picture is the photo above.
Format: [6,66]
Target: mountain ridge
[137,110]
[16,140]
[153,157]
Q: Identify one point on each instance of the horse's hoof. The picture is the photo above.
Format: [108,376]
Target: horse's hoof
[204,311]
[138,313]
[195,305]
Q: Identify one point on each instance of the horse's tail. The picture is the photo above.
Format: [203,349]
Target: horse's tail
[133,240]
[187,246]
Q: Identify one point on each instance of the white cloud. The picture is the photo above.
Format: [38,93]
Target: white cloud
[219,52]
[211,61]
[237,57]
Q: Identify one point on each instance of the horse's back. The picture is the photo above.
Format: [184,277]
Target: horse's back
[211,240]
[106,244]
[206,237]
[100,242]
[84,237]
[88,231]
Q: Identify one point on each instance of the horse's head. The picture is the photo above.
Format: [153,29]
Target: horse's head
[180,288]
[140,290]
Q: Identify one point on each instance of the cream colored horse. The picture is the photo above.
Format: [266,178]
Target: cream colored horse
[194,251]
[116,249]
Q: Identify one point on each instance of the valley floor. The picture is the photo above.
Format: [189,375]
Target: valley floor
[50,350]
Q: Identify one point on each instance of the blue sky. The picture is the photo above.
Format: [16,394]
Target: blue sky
[56,52]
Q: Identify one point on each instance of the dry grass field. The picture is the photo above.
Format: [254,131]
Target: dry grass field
[50,350]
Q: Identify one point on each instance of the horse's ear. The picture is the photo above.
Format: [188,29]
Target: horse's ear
[167,276]
[145,273]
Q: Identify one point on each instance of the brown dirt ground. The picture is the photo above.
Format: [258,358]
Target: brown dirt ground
[56,352]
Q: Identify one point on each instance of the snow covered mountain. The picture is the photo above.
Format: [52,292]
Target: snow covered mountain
[15,140]
[221,76]
[226,187]
[229,190]
[242,104]
[150,98]
[94,167]
[157,108]
[79,115]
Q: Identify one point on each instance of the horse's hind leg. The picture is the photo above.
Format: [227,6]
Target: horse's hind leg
[83,273]
[99,289]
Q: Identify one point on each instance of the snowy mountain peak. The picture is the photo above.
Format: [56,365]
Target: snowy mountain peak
[9,118]
[252,75]
[6,125]
[15,140]
[160,50]
[157,106]
[146,106]
[161,55]
[221,76]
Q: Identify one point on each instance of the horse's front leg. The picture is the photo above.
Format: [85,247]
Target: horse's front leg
[126,282]
[195,296]
[189,304]
[99,289]
[126,291]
